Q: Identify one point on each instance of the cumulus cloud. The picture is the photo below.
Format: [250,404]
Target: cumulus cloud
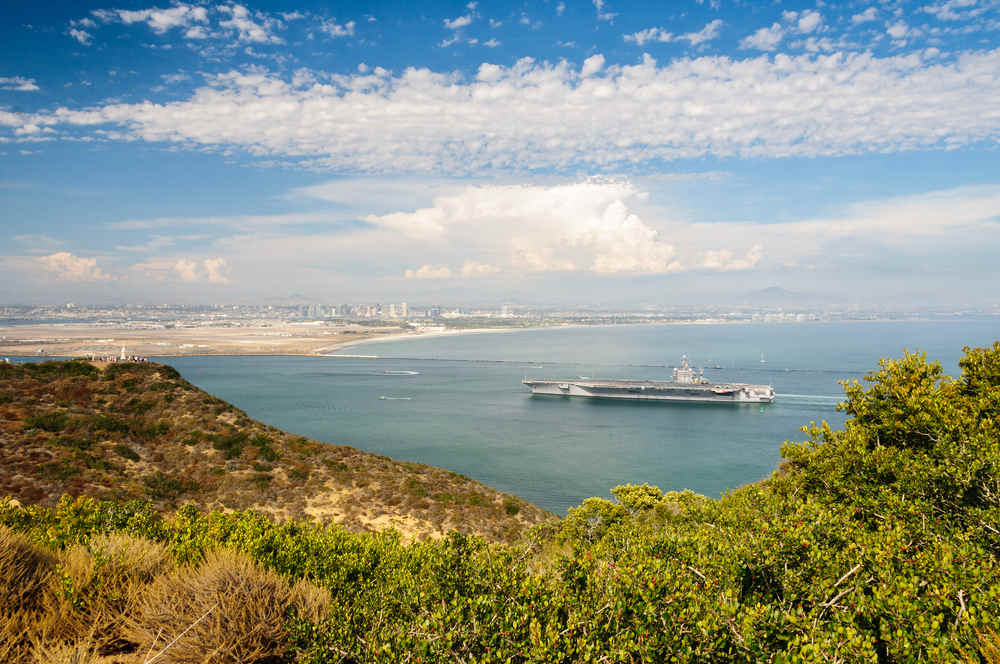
[957,10]
[808,21]
[429,272]
[866,16]
[161,20]
[458,22]
[18,83]
[187,270]
[64,266]
[334,29]
[253,28]
[584,226]
[545,116]
[897,30]
[764,39]
[708,33]
[603,15]
[723,260]
[592,65]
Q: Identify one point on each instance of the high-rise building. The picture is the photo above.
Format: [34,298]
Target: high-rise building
[392,310]
[403,310]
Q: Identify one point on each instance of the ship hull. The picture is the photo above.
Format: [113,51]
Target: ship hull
[653,391]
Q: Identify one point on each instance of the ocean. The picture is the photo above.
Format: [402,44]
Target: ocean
[457,401]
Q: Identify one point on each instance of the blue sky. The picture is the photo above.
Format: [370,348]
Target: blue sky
[538,152]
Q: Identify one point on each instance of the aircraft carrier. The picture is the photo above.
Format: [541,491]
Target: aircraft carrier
[687,385]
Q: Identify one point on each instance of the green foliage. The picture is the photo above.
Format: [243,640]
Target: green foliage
[163,486]
[875,543]
[52,421]
[127,452]
[109,424]
[230,443]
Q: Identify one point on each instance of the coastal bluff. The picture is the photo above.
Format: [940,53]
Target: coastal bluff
[133,430]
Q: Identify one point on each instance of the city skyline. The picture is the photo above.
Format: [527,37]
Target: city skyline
[556,152]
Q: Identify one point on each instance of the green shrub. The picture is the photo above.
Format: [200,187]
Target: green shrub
[126,452]
[109,424]
[163,486]
[52,422]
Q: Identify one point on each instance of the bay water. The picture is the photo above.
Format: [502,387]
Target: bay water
[457,401]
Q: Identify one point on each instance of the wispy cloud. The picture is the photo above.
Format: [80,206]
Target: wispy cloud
[18,83]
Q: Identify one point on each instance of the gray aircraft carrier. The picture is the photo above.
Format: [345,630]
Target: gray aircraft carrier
[687,385]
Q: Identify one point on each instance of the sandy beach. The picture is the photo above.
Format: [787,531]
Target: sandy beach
[265,338]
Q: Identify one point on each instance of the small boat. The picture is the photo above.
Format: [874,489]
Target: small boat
[762,360]
[390,372]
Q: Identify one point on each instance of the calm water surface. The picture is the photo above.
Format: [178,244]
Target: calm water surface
[457,402]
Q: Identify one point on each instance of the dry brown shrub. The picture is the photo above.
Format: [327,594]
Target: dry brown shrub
[232,609]
[82,652]
[26,571]
[311,602]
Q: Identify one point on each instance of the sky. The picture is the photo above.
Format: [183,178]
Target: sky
[566,152]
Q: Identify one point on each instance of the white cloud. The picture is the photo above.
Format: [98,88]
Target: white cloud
[477,269]
[334,29]
[64,266]
[491,43]
[429,272]
[458,22]
[649,35]
[592,65]
[81,36]
[544,116]
[584,226]
[957,10]
[897,30]
[809,21]
[161,20]
[560,8]
[603,15]
[723,260]
[866,16]
[18,83]
[185,270]
[215,270]
[708,33]
[249,28]
[765,39]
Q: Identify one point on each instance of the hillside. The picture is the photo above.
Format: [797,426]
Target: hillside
[140,431]
[878,542]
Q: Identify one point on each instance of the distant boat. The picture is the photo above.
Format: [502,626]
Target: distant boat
[762,360]
[385,398]
[389,372]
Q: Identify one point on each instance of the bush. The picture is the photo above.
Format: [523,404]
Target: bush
[162,486]
[109,424]
[51,422]
[127,452]
[26,571]
[235,610]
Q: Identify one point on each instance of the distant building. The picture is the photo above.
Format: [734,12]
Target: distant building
[403,310]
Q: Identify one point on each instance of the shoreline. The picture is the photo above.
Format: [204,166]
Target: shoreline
[62,340]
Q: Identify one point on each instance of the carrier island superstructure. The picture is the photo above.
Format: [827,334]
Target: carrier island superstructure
[687,385]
